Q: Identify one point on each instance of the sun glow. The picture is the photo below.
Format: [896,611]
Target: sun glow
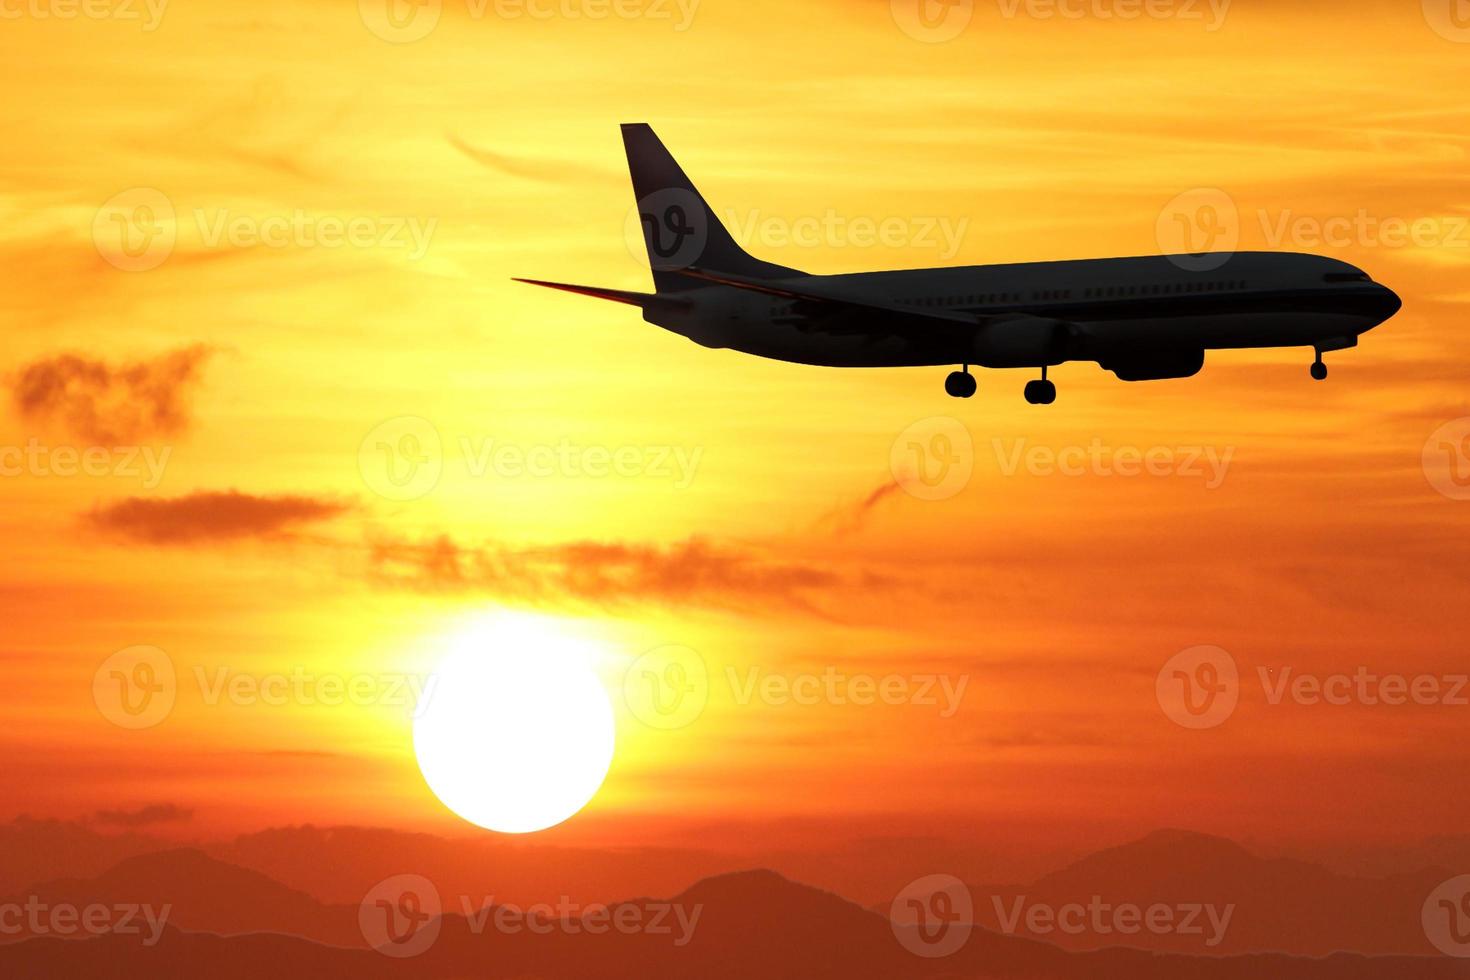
[516,733]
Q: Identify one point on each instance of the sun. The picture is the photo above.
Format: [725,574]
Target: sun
[515,733]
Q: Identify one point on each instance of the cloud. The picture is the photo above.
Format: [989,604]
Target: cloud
[693,571]
[539,169]
[155,813]
[851,517]
[111,404]
[211,516]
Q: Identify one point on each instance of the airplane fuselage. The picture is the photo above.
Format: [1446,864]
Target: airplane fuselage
[1103,310]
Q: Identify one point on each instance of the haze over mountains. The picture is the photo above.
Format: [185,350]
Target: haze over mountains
[1284,918]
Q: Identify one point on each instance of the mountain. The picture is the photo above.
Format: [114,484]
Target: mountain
[339,864]
[751,924]
[1272,903]
[307,882]
[34,849]
[187,889]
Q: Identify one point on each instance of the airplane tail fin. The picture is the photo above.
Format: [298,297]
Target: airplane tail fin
[679,227]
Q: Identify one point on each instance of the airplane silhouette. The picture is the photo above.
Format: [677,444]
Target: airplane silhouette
[1143,318]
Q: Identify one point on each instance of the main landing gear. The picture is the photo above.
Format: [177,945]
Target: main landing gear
[1319,369]
[1041,392]
[960,384]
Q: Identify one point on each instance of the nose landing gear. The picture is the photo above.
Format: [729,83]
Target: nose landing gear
[960,384]
[1319,369]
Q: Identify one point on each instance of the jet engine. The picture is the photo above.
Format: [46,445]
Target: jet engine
[1155,365]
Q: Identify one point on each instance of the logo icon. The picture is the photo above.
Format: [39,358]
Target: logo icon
[933,916]
[933,21]
[933,459]
[135,688]
[1450,19]
[136,230]
[1447,459]
[667,687]
[1446,917]
[400,916]
[400,21]
[670,228]
[1199,687]
[402,459]
[1199,230]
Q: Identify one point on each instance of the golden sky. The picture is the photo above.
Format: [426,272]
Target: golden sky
[340,218]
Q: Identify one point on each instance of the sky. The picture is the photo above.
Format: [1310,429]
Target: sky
[252,248]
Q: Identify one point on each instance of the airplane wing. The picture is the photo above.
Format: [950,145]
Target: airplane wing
[833,299]
[1009,330]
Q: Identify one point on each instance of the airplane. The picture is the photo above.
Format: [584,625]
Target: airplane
[1144,319]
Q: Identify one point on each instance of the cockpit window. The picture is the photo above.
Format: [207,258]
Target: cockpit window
[1346,277]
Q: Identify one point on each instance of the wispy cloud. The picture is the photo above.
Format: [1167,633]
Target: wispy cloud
[695,571]
[851,517]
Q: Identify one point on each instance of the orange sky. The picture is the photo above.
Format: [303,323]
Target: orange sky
[266,546]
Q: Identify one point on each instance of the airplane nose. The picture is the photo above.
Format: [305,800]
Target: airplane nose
[1392,304]
[1382,303]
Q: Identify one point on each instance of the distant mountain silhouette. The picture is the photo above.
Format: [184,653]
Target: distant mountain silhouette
[752,924]
[1279,904]
[339,864]
[32,850]
[1442,851]
[307,881]
[202,895]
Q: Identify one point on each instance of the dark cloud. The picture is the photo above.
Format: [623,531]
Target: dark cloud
[111,404]
[211,516]
[144,816]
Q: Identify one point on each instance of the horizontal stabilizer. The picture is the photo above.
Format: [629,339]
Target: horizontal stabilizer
[616,295]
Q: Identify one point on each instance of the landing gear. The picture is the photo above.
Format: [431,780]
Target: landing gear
[960,384]
[1041,392]
[1319,369]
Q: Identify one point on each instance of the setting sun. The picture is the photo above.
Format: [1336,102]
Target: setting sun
[515,733]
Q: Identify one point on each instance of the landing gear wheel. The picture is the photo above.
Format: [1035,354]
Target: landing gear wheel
[960,385]
[1319,371]
[1041,392]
